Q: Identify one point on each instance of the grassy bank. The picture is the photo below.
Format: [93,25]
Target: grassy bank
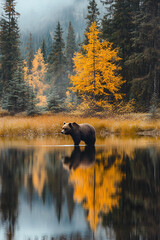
[30,127]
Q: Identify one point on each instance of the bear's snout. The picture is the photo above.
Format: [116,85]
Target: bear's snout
[62,131]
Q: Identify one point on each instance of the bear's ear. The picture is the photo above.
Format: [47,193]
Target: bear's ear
[75,124]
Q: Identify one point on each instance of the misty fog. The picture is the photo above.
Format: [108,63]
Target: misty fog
[37,13]
[40,18]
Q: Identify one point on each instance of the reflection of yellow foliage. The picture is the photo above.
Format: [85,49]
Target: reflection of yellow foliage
[98,187]
[39,175]
[126,150]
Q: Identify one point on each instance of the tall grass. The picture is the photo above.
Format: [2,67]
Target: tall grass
[31,127]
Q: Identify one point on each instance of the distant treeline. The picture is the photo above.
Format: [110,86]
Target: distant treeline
[46,80]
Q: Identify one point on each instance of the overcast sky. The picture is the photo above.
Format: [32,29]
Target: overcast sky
[34,12]
[41,11]
[42,5]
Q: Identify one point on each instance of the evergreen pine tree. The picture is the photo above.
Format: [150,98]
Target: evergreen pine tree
[57,63]
[16,100]
[30,53]
[0,77]
[54,101]
[117,27]
[92,16]
[107,21]
[70,47]
[12,74]
[44,50]
[31,100]
[144,62]
[18,90]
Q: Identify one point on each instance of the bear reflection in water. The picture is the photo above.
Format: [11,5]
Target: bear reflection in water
[80,158]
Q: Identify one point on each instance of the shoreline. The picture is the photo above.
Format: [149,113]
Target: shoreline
[50,125]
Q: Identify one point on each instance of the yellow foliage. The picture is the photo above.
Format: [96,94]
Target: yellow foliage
[96,73]
[99,187]
[37,77]
[89,104]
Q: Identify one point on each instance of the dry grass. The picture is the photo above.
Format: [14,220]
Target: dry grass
[31,127]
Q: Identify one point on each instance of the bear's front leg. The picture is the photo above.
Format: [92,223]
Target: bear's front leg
[76,139]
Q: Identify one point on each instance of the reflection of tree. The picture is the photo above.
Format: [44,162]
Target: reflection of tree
[11,169]
[138,214]
[132,209]
[58,184]
[9,199]
[41,173]
[47,177]
[28,179]
[97,187]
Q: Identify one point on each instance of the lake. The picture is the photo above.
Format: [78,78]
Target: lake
[51,190]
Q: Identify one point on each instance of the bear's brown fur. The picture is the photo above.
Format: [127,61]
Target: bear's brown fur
[78,132]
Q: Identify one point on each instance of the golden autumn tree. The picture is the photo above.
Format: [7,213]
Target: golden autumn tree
[96,75]
[37,78]
[97,188]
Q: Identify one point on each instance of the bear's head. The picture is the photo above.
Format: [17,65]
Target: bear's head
[69,128]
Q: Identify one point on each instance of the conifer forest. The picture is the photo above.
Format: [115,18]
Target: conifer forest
[112,65]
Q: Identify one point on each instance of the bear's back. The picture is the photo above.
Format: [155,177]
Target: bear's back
[87,133]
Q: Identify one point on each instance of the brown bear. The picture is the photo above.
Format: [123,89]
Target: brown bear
[78,132]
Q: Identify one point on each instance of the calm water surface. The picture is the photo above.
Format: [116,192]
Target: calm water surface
[50,190]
